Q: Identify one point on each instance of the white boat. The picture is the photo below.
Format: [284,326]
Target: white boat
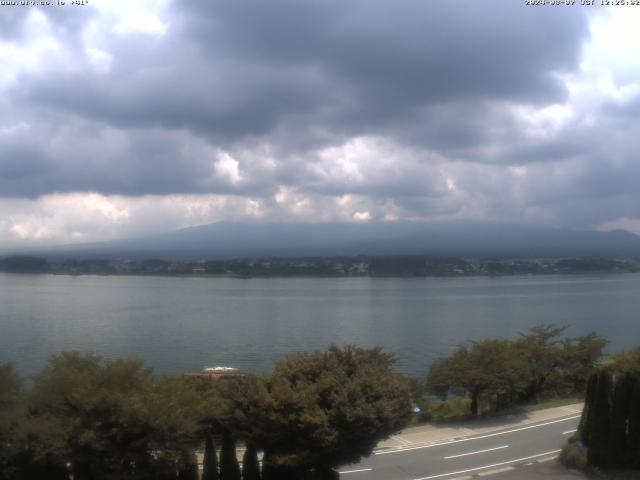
[220,370]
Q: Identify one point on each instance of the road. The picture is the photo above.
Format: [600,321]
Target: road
[468,456]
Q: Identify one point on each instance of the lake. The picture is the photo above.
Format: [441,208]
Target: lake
[182,324]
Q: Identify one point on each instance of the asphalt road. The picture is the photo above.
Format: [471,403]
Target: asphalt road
[480,454]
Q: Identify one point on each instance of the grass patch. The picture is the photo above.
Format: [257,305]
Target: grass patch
[451,410]
[534,406]
[442,412]
[572,456]
[551,403]
[457,409]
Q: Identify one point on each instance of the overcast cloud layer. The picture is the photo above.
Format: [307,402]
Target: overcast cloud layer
[121,118]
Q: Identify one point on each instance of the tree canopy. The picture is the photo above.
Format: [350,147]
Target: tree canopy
[505,372]
[11,417]
[110,419]
[90,418]
[336,404]
[487,367]
[628,361]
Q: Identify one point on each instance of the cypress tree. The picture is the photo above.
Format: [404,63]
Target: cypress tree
[229,468]
[250,465]
[620,407]
[633,437]
[158,467]
[587,412]
[598,453]
[57,472]
[210,462]
[81,470]
[45,469]
[188,467]
[268,470]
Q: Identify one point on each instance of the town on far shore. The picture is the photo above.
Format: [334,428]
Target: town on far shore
[337,266]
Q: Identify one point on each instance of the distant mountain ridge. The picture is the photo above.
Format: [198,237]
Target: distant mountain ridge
[226,240]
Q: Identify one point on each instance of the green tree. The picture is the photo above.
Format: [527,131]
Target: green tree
[489,368]
[599,430]
[445,373]
[627,365]
[269,469]
[238,405]
[503,372]
[579,357]
[330,408]
[188,466]
[628,361]
[633,438]
[557,365]
[250,464]
[12,418]
[542,350]
[210,461]
[610,423]
[229,468]
[29,468]
[586,420]
[620,409]
[96,416]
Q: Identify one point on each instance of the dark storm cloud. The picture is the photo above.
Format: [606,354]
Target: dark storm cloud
[280,81]
[231,69]
[89,157]
[411,51]
[238,68]
[224,106]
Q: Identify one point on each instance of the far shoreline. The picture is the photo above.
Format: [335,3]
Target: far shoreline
[327,277]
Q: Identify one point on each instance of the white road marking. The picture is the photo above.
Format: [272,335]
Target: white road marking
[449,442]
[547,459]
[474,453]
[488,466]
[355,471]
[497,470]
[401,440]
[570,431]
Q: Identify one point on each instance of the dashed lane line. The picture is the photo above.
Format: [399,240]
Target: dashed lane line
[516,460]
[355,471]
[475,453]
[496,471]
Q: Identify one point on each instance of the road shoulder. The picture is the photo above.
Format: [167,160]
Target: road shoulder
[429,434]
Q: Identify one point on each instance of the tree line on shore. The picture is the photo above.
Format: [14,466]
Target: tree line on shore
[87,418]
[499,374]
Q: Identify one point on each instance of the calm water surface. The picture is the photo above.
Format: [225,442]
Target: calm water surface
[183,324]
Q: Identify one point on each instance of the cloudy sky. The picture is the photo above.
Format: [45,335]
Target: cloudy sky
[124,117]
